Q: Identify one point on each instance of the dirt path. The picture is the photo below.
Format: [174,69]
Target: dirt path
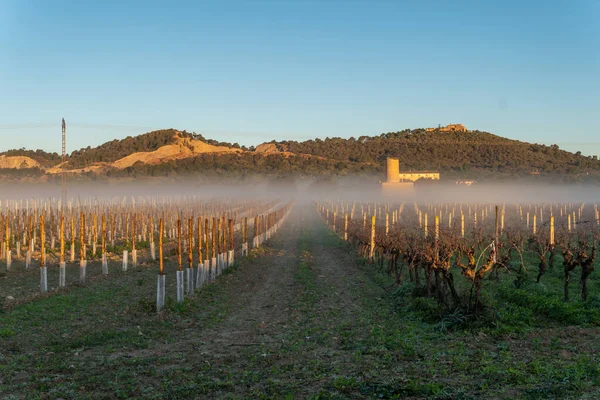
[299,322]
[261,293]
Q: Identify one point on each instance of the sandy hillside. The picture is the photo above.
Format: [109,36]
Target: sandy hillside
[18,162]
[182,148]
[97,167]
[270,148]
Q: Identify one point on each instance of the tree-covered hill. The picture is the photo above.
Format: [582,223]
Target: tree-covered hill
[451,152]
[474,155]
[240,165]
[117,149]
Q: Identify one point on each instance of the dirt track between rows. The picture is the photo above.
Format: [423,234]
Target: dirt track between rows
[295,309]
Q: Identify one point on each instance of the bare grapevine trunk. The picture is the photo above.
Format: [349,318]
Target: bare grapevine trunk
[450,282]
[428,281]
[566,287]
[587,267]
[439,287]
[417,276]
[543,266]
[478,303]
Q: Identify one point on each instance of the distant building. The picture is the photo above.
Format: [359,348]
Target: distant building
[449,128]
[403,182]
[394,175]
[415,176]
[466,182]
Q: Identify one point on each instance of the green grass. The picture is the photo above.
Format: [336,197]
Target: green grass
[530,342]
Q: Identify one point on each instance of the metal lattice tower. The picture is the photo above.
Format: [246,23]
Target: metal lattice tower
[64,159]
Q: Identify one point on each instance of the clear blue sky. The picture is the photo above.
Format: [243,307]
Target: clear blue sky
[253,71]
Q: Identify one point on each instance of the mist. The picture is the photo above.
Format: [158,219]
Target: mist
[306,190]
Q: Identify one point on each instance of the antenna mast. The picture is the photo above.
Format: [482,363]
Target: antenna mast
[64,159]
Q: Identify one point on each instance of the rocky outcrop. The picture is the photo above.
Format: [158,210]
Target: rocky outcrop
[18,162]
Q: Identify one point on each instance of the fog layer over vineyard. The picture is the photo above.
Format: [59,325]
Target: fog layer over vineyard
[308,190]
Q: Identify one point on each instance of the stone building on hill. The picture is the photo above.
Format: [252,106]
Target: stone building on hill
[449,128]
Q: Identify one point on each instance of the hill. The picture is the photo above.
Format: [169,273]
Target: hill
[472,154]
[22,158]
[152,147]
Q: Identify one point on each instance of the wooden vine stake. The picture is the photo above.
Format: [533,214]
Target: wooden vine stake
[200,271]
[29,242]
[133,240]
[213,272]
[82,261]
[125,251]
[496,236]
[334,222]
[245,241]
[223,244]
[160,287]
[217,225]
[7,244]
[346,227]
[94,235]
[179,265]
[372,242]
[206,254]
[73,238]
[62,271]
[255,239]
[552,230]
[218,242]
[43,270]
[104,258]
[230,253]
[387,223]
[497,232]
[190,269]
[151,234]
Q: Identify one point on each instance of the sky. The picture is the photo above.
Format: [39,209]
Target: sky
[253,71]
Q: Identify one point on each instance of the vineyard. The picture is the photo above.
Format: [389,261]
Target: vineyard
[203,236]
[427,245]
[217,297]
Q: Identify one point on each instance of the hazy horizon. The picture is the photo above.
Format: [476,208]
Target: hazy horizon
[304,190]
